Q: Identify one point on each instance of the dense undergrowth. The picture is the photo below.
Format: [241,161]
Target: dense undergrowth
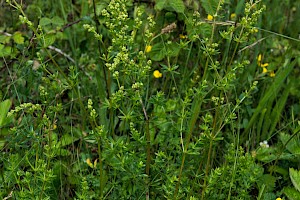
[162,99]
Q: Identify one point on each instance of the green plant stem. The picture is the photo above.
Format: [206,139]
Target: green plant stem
[236,47]
[43,187]
[197,107]
[148,161]
[111,117]
[148,149]
[106,76]
[148,138]
[207,167]
[100,169]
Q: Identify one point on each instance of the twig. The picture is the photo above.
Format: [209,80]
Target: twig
[251,45]
[62,53]
[9,196]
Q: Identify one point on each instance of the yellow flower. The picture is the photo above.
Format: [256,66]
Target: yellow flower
[255,30]
[157,74]
[182,36]
[54,126]
[272,74]
[148,48]
[210,17]
[264,65]
[232,16]
[88,161]
[259,58]
[279,198]
[259,62]
[265,70]
[95,163]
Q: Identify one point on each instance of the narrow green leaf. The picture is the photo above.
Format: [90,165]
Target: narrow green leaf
[278,108]
[4,108]
[260,123]
[272,91]
[267,120]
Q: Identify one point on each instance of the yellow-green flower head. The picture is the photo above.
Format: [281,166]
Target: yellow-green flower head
[210,17]
[148,48]
[279,198]
[157,74]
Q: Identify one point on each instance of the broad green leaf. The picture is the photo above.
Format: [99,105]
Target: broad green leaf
[266,154]
[204,30]
[18,38]
[48,40]
[177,5]
[161,4]
[4,108]
[99,7]
[5,51]
[4,39]
[295,178]
[173,49]
[268,182]
[45,21]
[280,170]
[210,6]
[291,193]
[293,145]
[66,140]
[57,21]
[171,5]
[157,52]
[268,196]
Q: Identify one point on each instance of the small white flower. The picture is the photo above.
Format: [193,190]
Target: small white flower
[264,144]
